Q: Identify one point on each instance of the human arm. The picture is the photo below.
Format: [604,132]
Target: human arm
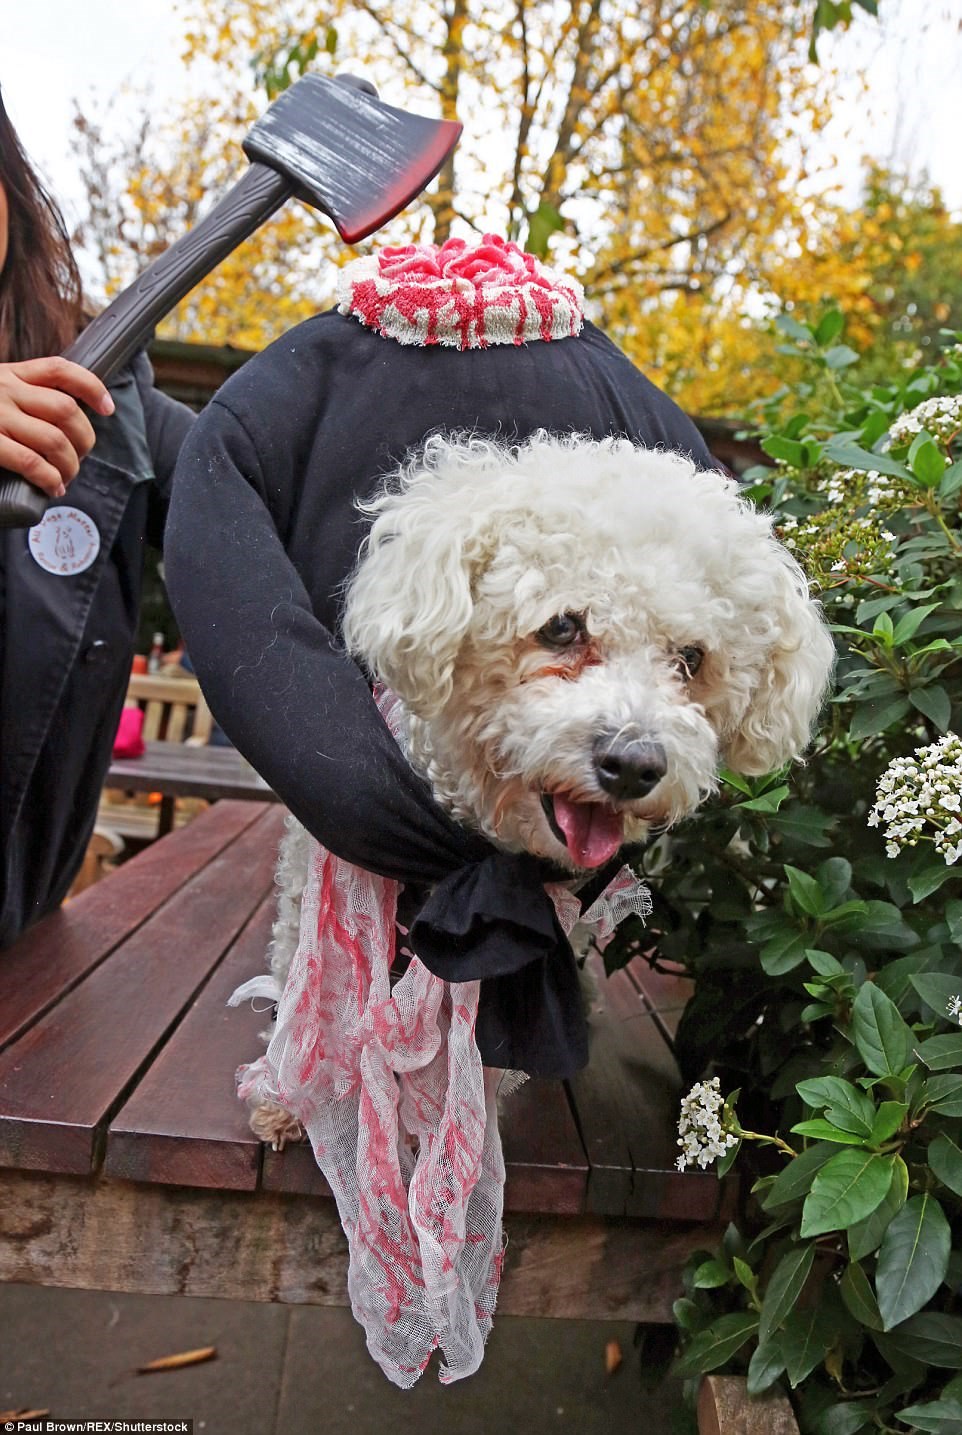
[44,432]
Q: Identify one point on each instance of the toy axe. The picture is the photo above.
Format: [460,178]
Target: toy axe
[331,143]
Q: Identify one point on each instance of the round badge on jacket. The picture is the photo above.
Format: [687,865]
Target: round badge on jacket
[65,541]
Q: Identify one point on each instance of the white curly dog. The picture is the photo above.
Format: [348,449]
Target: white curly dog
[580,633]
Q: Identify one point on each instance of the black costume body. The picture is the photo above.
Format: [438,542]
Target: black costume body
[66,643]
[263,532]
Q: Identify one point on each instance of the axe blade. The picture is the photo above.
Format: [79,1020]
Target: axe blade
[348,154]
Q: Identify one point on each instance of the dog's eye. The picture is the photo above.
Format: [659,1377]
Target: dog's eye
[562,630]
[689,660]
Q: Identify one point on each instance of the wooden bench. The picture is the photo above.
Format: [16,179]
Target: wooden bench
[126,1161]
[175,712]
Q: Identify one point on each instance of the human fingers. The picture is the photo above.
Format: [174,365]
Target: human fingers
[55,372]
[40,452]
[57,409]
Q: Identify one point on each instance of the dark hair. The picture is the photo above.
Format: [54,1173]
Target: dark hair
[41,305]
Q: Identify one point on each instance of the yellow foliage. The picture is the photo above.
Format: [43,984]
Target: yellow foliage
[669,140]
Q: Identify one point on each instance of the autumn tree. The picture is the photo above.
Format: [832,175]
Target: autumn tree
[643,144]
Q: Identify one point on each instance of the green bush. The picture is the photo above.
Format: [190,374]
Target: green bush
[820,916]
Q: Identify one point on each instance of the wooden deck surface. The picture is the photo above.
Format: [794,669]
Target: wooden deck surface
[126,1161]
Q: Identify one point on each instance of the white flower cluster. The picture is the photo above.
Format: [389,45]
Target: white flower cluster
[879,488]
[919,793]
[954,1008]
[940,416]
[700,1132]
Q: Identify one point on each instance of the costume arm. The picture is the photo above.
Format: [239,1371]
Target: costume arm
[276,680]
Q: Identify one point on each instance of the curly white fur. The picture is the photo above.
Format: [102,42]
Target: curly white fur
[476,546]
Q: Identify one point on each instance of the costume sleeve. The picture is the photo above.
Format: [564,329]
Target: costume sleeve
[276,680]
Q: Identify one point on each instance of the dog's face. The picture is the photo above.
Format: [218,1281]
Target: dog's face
[582,633]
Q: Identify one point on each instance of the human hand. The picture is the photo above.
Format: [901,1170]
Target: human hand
[44,433]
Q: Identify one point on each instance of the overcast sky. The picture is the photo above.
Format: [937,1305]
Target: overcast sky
[54,51]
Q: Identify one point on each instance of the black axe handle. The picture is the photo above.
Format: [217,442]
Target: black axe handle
[123,327]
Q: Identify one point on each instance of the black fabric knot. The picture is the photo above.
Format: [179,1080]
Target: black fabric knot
[493,920]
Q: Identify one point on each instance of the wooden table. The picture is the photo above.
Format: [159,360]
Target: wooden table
[126,1161]
[178,769]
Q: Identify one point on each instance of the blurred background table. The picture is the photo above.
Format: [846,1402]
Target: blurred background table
[176,769]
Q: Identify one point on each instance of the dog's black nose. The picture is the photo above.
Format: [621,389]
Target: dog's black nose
[628,767]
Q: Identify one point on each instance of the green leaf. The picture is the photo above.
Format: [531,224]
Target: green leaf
[884,628]
[819,1130]
[769,801]
[847,1189]
[805,1338]
[840,357]
[823,962]
[829,327]
[822,1091]
[784,1288]
[866,1235]
[877,716]
[686,1313]
[799,823]
[935,1417]
[941,1053]
[857,1293]
[908,626]
[888,1119]
[783,953]
[710,1275]
[944,1094]
[928,876]
[834,878]
[850,455]
[936,990]
[846,1418]
[806,893]
[764,1368]
[930,1337]
[712,1347]
[745,1275]
[795,1181]
[945,1159]
[951,480]
[794,329]
[883,927]
[883,1039]
[912,1259]
[934,703]
[927,462]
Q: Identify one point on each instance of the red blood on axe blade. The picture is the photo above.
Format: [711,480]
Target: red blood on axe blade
[364,166]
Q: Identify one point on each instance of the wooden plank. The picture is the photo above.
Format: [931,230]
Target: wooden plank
[169,1240]
[53,956]
[546,1167]
[63,1078]
[726,1408]
[164,1132]
[666,994]
[545,1162]
[626,1107]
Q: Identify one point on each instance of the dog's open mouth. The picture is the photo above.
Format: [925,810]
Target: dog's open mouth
[591,831]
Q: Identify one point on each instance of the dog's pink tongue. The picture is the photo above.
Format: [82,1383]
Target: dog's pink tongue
[592,831]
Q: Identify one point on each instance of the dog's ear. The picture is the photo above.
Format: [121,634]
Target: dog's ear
[776,726]
[409,603]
